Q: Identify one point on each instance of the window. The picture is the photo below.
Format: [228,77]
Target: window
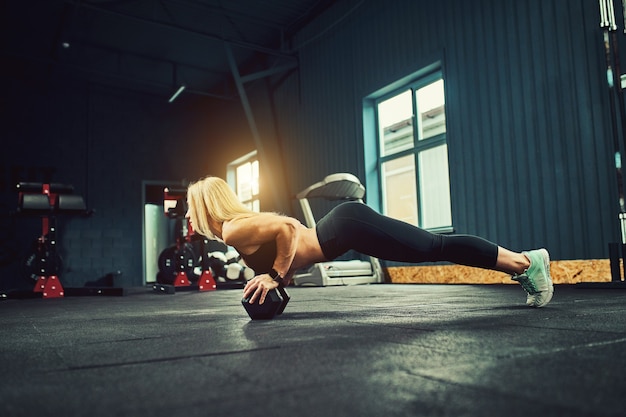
[243,176]
[412,153]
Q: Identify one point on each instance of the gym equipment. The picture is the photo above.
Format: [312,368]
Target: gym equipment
[336,187]
[182,264]
[228,268]
[175,259]
[195,262]
[42,258]
[44,200]
[236,269]
[274,304]
[617,109]
[224,262]
[217,261]
[48,201]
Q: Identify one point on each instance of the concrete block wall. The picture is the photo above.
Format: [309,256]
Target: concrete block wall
[105,142]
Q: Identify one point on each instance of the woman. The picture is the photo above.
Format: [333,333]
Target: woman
[276,246]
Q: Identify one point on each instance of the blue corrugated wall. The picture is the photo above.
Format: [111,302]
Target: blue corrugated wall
[527,110]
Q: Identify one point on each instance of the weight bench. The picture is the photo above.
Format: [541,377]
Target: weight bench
[48,201]
[336,187]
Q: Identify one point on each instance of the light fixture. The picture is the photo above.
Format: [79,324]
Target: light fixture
[176,94]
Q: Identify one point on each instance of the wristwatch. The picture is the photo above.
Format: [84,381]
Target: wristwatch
[276,276]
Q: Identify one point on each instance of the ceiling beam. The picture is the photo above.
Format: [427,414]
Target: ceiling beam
[266,165]
[227,13]
[120,78]
[179,28]
[267,72]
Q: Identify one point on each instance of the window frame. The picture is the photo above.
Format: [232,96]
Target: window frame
[231,177]
[419,145]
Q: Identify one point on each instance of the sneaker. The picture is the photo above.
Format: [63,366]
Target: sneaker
[536,280]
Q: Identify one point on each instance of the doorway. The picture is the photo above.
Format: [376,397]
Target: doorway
[158,229]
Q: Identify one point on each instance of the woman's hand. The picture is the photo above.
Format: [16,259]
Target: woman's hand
[258,287]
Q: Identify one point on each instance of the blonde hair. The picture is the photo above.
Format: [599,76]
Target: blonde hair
[211,198]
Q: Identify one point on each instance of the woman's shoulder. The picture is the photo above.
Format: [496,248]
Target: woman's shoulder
[269,215]
[247,227]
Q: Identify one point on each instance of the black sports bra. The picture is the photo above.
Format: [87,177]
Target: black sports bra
[263,259]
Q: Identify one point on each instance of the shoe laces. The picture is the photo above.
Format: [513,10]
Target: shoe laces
[527,284]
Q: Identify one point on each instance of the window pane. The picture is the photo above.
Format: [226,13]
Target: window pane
[395,121]
[244,181]
[431,110]
[400,197]
[435,187]
[255,177]
[243,175]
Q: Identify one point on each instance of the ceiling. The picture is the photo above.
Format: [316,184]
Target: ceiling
[156,46]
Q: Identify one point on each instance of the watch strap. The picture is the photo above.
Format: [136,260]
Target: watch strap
[276,276]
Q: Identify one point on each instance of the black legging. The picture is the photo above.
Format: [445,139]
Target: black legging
[356,226]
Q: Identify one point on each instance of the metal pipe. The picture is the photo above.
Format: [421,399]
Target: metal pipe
[604,21]
[610,77]
[611,15]
[624,14]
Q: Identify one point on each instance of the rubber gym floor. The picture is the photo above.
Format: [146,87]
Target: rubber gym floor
[371,350]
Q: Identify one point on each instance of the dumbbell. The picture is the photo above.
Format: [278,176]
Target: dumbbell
[236,271]
[232,256]
[217,260]
[274,304]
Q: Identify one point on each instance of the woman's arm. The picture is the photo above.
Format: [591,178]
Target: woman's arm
[246,234]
